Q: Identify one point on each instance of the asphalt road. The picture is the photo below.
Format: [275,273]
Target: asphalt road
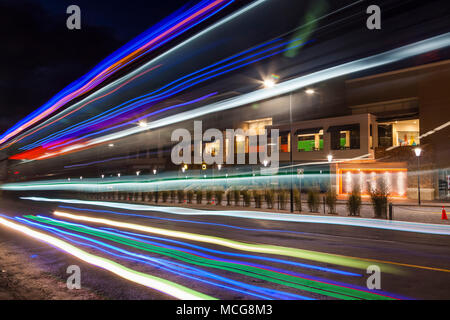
[318,261]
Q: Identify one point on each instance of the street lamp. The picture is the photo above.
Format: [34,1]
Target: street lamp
[418,152]
[269,83]
[310,91]
[330,157]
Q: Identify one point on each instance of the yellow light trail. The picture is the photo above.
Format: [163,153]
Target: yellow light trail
[165,286]
[242,246]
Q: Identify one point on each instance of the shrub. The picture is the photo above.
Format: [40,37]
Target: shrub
[180,196]
[330,201]
[199,196]
[269,196]
[228,195]
[219,197]
[209,195]
[257,198]
[237,197]
[282,197]
[379,198]
[190,196]
[298,200]
[247,197]
[165,195]
[354,202]
[313,200]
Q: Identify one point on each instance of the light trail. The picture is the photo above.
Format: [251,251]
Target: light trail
[257,248]
[305,283]
[118,60]
[162,285]
[281,88]
[417,227]
[170,266]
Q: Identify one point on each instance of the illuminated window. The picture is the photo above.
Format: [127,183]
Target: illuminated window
[310,139]
[345,137]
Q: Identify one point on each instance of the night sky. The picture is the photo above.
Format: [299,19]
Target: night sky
[40,56]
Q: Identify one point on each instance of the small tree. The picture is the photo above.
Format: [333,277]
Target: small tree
[209,195]
[190,195]
[354,201]
[247,198]
[228,195]
[237,197]
[282,197]
[269,196]
[257,198]
[379,198]
[330,201]
[165,196]
[199,196]
[297,200]
[313,200]
[219,197]
[180,195]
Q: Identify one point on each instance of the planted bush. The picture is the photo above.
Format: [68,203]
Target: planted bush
[282,197]
[172,195]
[190,196]
[229,198]
[354,202]
[209,195]
[380,198]
[257,198]
[165,196]
[269,196]
[297,200]
[199,196]
[219,197]
[313,200]
[330,201]
[180,196]
[247,198]
[237,197]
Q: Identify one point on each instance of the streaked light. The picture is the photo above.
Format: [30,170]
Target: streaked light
[147,280]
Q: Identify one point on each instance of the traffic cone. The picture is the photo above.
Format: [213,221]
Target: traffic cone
[444,214]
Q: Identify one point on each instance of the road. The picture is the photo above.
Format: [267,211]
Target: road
[152,254]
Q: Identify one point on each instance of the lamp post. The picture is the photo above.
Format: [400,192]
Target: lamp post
[418,152]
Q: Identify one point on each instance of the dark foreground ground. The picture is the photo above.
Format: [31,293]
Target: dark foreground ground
[34,270]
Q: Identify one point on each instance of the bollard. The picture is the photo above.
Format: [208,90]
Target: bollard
[390,211]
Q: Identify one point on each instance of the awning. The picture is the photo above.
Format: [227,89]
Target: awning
[308,131]
[345,127]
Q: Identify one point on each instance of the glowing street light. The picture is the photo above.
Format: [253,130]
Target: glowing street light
[103,176]
[330,157]
[219,166]
[310,91]
[418,152]
[138,173]
[111,145]
[154,171]
[269,83]
[118,175]
[142,123]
